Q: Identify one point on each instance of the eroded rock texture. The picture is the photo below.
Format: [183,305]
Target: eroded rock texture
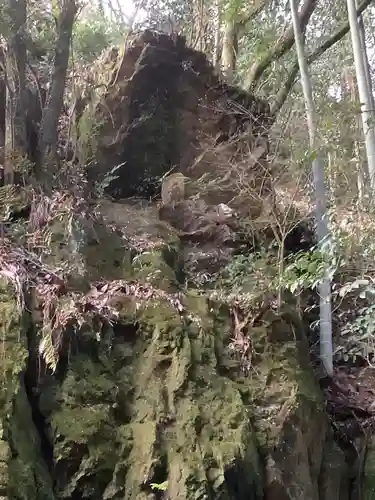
[167,401]
[165,109]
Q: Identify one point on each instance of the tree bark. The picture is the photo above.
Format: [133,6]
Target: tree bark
[364,92]
[216,56]
[2,102]
[15,117]
[323,234]
[362,167]
[362,36]
[281,47]
[234,28]
[230,50]
[48,136]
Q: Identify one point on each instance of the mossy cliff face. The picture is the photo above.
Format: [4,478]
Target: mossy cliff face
[23,471]
[368,471]
[151,409]
[158,406]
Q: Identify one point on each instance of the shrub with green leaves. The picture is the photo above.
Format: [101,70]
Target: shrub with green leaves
[93,34]
[305,270]
[357,336]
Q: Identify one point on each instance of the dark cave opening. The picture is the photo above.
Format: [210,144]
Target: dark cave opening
[239,481]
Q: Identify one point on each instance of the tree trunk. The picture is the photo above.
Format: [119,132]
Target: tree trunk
[282,46]
[362,166]
[15,118]
[362,35]
[364,92]
[230,49]
[101,8]
[354,135]
[2,103]
[323,234]
[217,42]
[285,89]
[48,137]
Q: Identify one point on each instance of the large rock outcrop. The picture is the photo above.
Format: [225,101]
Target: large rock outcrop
[122,378]
[127,388]
[164,114]
[165,109]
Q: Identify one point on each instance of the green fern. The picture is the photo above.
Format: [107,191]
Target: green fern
[160,486]
[47,349]
[109,177]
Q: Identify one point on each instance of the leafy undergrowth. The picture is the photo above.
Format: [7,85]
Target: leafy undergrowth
[351,266]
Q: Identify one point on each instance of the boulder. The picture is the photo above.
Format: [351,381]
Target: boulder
[135,388]
[165,109]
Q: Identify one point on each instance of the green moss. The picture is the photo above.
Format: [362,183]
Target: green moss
[28,475]
[13,347]
[160,398]
[84,427]
[78,424]
[92,252]
[152,268]
[106,255]
[157,398]
[24,474]
[13,200]
[95,252]
[334,474]
[282,383]
[200,308]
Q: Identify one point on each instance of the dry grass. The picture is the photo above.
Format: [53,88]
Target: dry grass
[41,286]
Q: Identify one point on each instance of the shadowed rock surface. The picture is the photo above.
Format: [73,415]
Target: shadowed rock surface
[166,109]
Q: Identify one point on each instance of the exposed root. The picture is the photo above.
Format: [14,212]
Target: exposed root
[241,342]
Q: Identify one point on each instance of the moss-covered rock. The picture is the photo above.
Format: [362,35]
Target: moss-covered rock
[164,399]
[151,267]
[111,241]
[368,487]
[287,409]
[334,479]
[23,471]
[29,478]
[165,109]
[89,249]
[159,402]
[147,406]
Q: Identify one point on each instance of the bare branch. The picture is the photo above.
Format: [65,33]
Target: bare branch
[254,13]
[284,91]
[282,46]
